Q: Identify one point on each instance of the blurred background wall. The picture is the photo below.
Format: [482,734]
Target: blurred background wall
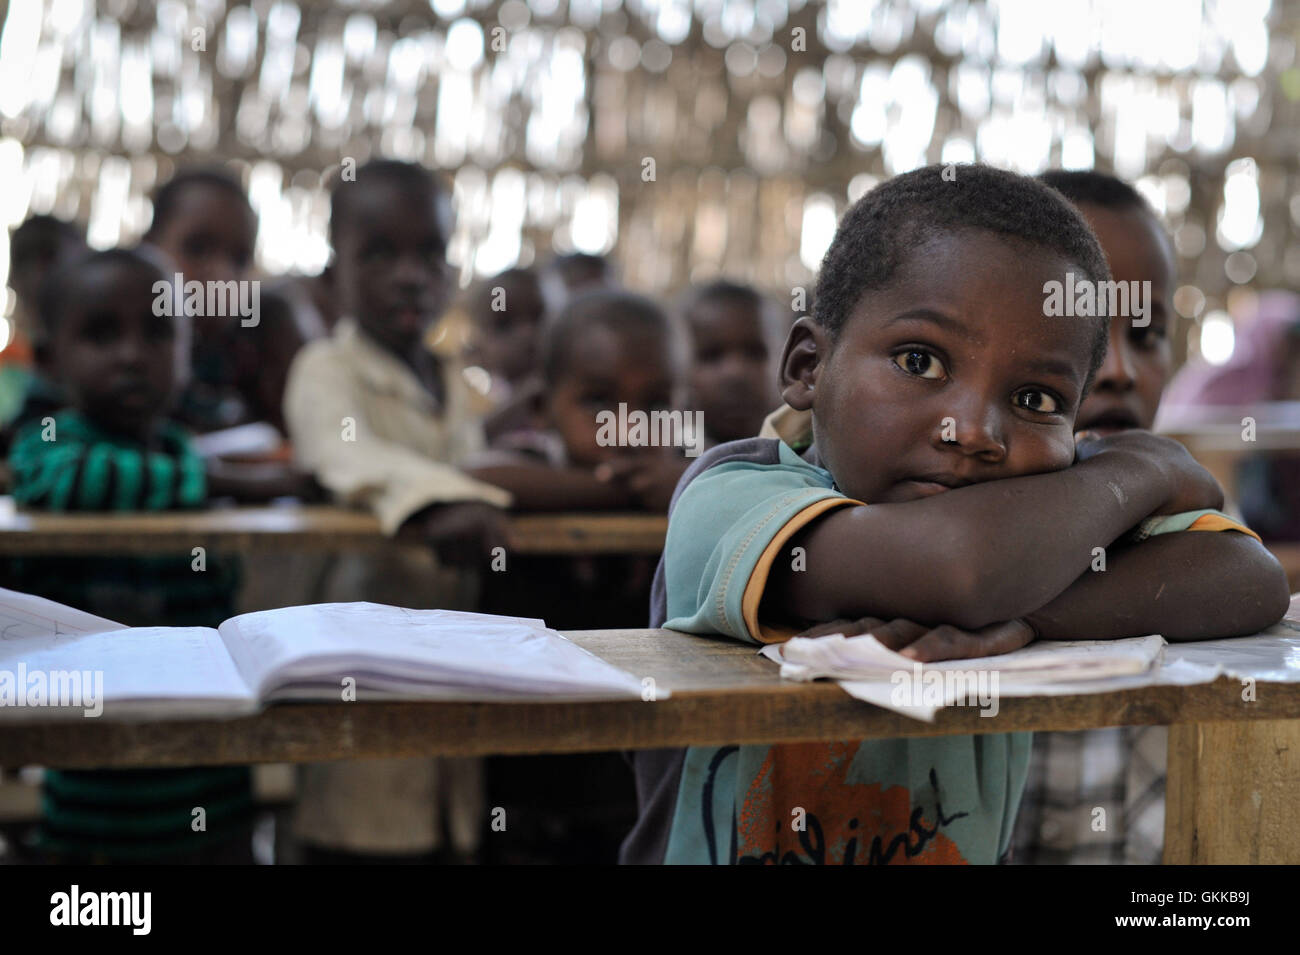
[685,137]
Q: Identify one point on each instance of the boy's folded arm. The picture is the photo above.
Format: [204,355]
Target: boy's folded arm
[1191,585]
[971,556]
[540,487]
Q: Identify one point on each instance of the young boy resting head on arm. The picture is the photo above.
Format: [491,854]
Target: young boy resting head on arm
[605,350]
[938,495]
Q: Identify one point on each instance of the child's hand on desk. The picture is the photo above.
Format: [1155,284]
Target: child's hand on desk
[462,534]
[257,482]
[1191,487]
[927,644]
[649,478]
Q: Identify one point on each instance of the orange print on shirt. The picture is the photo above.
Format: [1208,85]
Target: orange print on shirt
[844,823]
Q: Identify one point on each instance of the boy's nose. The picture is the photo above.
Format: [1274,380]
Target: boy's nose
[413,272]
[130,351]
[973,430]
[1116,370]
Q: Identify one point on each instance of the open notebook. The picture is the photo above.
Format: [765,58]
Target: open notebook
[323,652]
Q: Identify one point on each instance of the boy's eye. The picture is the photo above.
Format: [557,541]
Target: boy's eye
[920,363]
[161,329]
[198,245]
[377,252]
[101,330]
[1147,337]
[1035,399]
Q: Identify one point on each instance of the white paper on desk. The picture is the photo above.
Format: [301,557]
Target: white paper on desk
[254,438]
[394,652]
[870,671]
[865,657]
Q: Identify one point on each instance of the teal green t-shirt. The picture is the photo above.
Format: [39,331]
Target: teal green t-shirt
[949,799]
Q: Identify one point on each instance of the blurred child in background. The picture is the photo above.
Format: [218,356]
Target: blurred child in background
[736,337]
[604,349]
[205,229]
[1119,769]
[40,245]
[114,353]
[382,422]
[506,314]
[569,275]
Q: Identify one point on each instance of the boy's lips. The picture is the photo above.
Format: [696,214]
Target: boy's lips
[928,484]
[133,395]
[409,318]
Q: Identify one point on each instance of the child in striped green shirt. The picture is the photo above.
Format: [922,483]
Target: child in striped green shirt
[113,450]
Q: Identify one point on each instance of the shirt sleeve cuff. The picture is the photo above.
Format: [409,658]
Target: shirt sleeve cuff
[1204,520]
[757,583]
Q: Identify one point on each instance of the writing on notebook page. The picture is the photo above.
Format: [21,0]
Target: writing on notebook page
[30,625]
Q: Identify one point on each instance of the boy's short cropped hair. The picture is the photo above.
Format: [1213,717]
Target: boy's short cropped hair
[775,322]
[722,290]
[479,299]
[1095,188]
[34,233]
[167,198]
[608,308]
[63,280]
[407,175]
[891,221]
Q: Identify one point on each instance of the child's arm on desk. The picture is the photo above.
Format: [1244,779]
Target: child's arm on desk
[990,552]
[255,482]
[642,481]
[1191,585]
[540,487]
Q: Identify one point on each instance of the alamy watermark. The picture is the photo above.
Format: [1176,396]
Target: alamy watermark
[63,688]
[240,299]
[932,687]
[130,909]
[1084,298]
[653,429]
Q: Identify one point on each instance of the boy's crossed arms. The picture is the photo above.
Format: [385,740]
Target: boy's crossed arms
[989,567]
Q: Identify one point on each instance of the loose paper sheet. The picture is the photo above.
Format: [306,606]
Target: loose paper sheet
[867,670]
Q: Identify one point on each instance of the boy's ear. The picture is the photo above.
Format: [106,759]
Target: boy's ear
[806,349]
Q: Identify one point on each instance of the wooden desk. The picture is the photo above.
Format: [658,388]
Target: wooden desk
[313,529]
[1234,767]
